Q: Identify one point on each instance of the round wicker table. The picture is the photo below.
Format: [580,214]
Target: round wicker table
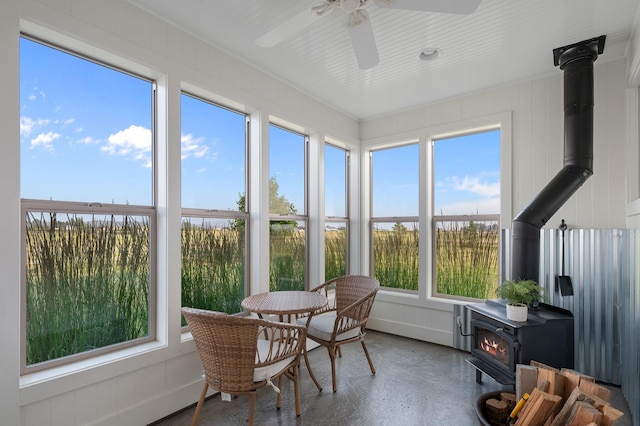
[284,303]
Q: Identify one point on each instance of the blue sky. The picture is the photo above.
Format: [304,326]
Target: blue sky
[85,133]
[84,130]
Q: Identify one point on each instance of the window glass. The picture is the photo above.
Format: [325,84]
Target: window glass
[85,130]
[396,254]
[287,207]
[87,161]
[395,181]
[335,181]
[87,282]
[213,146]
[394,222]
[466,214]
[287,250]
[213,263]
[214,203]
[287,165]
[336,220]
[335,249]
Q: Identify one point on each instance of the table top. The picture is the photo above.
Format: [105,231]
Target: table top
[284,302]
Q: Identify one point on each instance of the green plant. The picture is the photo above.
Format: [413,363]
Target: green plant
[523,291]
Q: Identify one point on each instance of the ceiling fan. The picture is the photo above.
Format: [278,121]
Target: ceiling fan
[358,25]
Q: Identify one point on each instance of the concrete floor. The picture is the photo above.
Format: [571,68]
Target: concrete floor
[416,383]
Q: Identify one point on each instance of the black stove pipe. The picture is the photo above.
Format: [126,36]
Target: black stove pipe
[576,61]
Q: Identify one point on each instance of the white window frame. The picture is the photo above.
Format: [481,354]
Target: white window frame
[63,207]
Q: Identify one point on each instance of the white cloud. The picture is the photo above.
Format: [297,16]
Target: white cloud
[88,140]
[476,186]
[191,146]
[28,125]
[133,142]
[45,140]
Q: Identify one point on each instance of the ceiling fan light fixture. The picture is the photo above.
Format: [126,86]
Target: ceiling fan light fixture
[351,5]
[429,54]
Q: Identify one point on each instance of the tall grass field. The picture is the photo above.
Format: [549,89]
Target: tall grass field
[87,283]
[88,278]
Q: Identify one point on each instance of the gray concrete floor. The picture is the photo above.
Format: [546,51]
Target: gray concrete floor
[416,383]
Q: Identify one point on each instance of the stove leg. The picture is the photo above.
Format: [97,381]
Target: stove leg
[478,376]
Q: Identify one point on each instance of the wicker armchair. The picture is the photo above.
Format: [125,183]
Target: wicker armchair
[343,321]
[238,360]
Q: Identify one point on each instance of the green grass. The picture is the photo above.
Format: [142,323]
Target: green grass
[87,283]
[88,277]
[212,267]
[396,257]
[467,260]
[335,254]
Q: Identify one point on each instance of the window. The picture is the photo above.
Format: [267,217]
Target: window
[214,218]
[394,216]
[336,166]
[466,214]
[287,209]
[87,179]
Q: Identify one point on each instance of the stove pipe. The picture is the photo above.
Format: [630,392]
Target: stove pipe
[576,61]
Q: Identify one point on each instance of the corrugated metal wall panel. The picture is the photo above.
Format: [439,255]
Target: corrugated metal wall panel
[602,264]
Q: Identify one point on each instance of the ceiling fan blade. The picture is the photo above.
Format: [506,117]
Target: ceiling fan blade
[363,40]
[460,7]
[288,28]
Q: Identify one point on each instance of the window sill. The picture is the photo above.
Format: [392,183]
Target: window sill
[414,299]
[55,381]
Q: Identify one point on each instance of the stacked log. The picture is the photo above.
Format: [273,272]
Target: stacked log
[554,397]
[497,410]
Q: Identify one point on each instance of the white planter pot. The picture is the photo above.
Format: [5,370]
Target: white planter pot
[517,312]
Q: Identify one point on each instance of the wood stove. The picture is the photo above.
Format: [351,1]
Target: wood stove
[499,344]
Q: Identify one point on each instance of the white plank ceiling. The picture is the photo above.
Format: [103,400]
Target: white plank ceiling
[501,42]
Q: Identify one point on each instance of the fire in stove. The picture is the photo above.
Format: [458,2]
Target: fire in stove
[494,348]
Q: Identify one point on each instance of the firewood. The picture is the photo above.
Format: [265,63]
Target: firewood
[543,385]
[576,396]
[526,379]
[610,415]
[595,389]
[510,399]
[583,413]
[545,366]
[538,408]
[572,380]
[555,379]
[497,407]
[496,411]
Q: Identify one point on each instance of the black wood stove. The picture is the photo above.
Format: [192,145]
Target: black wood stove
[498,344]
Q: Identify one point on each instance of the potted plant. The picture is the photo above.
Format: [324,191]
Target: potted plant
[519,296]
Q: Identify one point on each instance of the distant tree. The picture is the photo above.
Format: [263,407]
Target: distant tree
[399,227]
[278,204]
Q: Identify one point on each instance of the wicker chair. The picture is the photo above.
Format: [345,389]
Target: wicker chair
[238,360]
[344,320]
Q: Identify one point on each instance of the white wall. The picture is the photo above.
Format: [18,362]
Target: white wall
[537,150]
[166,377]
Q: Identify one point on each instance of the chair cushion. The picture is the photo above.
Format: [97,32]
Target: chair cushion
[268,371]
[321,326]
